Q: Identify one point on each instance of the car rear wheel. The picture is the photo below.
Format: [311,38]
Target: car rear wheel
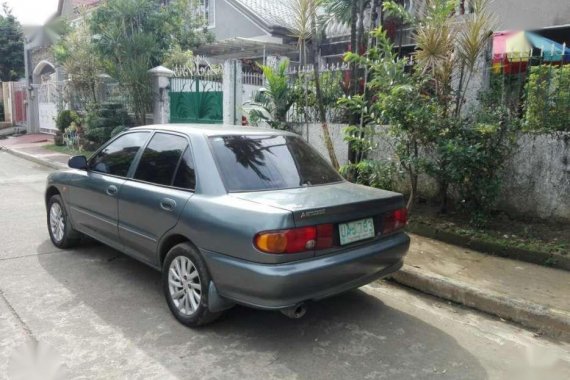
[60,230]
[185,280]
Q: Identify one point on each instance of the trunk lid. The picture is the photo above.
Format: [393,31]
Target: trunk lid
[332,203]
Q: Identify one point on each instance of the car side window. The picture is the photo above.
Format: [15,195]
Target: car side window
[185,175]
[117,157]
[161,158]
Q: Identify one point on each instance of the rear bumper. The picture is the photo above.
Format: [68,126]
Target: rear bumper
[284,285]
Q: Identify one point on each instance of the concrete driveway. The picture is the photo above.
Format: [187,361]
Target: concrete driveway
[94,313]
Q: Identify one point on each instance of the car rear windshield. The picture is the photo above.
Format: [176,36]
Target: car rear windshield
[250,163]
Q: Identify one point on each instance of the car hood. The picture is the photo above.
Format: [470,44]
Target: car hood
[327,203]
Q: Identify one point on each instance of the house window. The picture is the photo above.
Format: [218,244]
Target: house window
[209,12]
[206,9]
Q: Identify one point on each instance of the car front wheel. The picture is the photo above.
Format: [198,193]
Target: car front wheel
[60,230]
[185,281]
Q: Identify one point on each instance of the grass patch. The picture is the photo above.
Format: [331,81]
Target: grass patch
[534,236]
[67,150]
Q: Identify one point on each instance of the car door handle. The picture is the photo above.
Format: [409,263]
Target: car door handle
[112,190]
[167,204]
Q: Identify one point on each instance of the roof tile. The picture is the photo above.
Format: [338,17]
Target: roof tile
[273,13]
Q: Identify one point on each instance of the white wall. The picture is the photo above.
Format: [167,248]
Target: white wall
[313,134]
[526,15]
[537,178]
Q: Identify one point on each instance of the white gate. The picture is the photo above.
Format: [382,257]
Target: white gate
[48,102]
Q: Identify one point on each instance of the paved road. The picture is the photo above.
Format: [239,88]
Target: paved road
[100,314]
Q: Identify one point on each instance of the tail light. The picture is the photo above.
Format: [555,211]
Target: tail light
[395,220]
[295,240]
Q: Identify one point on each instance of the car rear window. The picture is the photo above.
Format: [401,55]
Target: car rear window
[249,163]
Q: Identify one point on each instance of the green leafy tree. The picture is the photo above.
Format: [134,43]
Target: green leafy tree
[11,46]
[132,36]
[74,51]
[400,100]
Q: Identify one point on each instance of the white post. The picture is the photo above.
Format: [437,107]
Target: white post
[233,91]
[160,80]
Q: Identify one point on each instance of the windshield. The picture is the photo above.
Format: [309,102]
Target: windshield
[249,163]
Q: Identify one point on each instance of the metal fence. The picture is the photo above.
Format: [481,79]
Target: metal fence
[197,98]
[105,91]
[301,83]
[534,88]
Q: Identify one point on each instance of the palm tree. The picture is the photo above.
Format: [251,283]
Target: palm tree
[302,26]
[277,99]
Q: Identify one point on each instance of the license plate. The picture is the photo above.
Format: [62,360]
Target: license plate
[356,231]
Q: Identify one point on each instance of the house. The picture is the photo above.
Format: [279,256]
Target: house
[43,75]
[249,29]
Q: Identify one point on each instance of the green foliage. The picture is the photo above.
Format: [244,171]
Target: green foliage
[278,98]
[373,173]
[470,157]
[104,120]
[400,100]
[132,36]
[465,154]
[11,46]
[306,97]
[396,10]
[177,57]
[2,116]
[74,51]
[547,103]
[65,118]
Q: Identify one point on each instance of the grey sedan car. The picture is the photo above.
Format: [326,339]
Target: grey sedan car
[229,215]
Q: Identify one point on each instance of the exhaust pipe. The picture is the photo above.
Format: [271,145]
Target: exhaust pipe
[295,312]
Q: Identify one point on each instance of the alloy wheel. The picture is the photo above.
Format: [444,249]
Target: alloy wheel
[184,285]
[57,222]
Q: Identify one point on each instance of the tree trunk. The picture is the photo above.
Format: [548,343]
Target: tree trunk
[322,111]
[373,21]
[361,40]
[353,46]
[444,198]
[413,174]
[382,13]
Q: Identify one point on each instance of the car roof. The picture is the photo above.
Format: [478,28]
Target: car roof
[212,129]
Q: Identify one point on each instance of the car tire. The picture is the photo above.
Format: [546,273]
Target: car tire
[185,281]
[61,232]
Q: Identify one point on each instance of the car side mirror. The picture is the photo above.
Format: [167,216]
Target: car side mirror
[78,162]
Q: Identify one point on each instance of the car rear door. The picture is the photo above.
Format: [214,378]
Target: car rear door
[151,201]
[93,193]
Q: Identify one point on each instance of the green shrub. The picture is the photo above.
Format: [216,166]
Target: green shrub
[547,101]
[1,112]
[65,118]
[379,174]
[474,154]
[103,120]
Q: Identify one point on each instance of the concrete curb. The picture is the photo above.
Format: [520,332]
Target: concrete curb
[37,160]
[534,257]
[551,322]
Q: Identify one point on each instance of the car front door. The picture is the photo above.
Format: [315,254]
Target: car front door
[151,201]
[94,192]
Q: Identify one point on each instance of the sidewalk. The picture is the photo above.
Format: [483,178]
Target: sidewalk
[32,147]
[532,295]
